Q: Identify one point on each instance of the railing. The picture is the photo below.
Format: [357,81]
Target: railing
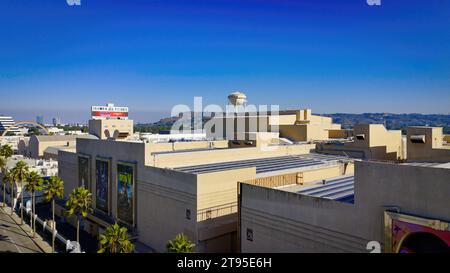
[45,227]
[216,211]
[387,161]
[48,228]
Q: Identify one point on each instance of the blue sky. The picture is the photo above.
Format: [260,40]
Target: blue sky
[331,56]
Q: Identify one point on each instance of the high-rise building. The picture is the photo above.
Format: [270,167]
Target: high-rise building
[40,119]
[7,123]
[56,121]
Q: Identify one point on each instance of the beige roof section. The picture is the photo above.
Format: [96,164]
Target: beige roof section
[54,149]
[44,138]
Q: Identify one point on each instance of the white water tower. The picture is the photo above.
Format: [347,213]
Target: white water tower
[237,99]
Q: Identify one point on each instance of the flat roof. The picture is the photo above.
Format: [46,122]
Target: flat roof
[54,149]
[186,150]
[63,137]
[339,188]
[429,164]
[266,164]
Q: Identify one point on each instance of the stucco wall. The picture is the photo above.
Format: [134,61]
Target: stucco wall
[432,149]
[186,158]
[378,143]
[416,190]
[288,222]
[163,198]
[68,170]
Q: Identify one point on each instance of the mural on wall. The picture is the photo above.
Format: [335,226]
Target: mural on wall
[125,193]
[83,172]
[402,229]
[102,185]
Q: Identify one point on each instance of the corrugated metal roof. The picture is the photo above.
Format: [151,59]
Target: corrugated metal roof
[267,164]
[339,188]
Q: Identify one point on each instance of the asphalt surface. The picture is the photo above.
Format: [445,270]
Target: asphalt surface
[13,238]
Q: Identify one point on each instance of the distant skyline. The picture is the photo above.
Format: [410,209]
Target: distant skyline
[331,56]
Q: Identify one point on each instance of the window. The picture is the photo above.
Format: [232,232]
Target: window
[188,214]
[250,235]
[417,138]
[208,214]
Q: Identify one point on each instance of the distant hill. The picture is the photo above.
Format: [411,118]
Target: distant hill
[392,121]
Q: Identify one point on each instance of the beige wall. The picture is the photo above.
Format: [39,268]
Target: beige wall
[302,177]
[111,128]
[308,132]
[289,222]
[327,173]
[36,147]
[164,196]
[186,158]
[219,188]
[231,127]
[378,143]
[446,138]
[217,195]
[68,170]
[176,146]
[23,147]
[340,133]
[294,132]
[433,148]
[297,125]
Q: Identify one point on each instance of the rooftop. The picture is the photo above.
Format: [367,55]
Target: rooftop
[63,137]
[55,149]
[429,164]
[267,164]
[339,188]
[187,150]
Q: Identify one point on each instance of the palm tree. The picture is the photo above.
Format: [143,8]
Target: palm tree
[53,188]
[3,169]
[11,177]
[180,244]
[34,184]
[8,176]
[115,240]
[20,173]
[80,203]
[6,151]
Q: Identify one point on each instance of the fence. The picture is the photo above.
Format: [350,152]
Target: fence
[216,211]
[45,227]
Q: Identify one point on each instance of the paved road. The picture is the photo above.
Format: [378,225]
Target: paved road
[13,238]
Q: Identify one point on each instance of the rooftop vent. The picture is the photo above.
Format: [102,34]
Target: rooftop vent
[417,138]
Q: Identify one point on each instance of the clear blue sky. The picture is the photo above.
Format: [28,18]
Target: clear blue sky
[329,55]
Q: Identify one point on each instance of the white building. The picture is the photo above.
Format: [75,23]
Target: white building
[7,123]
